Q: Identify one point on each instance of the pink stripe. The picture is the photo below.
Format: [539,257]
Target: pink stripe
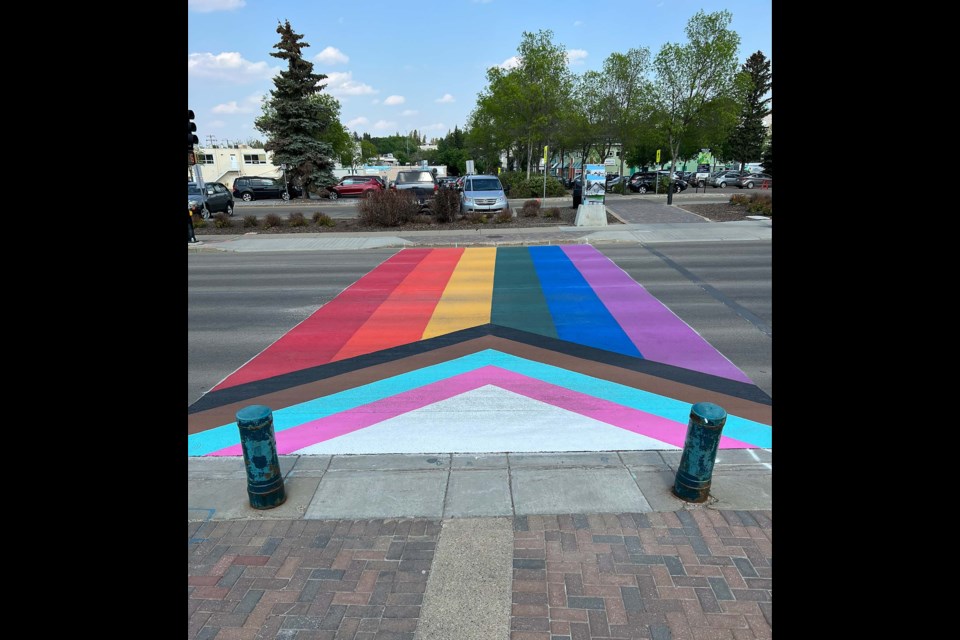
[329,427]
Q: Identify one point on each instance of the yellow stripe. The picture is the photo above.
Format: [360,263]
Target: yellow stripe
[467,299]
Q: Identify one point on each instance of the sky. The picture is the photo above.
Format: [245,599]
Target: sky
[398,66]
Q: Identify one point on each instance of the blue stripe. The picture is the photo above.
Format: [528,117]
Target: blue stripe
[579,315]
[755,433]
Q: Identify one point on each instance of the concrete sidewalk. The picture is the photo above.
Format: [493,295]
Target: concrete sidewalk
[761,229]
[485,547]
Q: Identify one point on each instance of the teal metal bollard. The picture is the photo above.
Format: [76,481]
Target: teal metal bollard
[259,444]
[699,452]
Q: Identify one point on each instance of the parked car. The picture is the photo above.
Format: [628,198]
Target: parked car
[355,186]
[722,179]
[613,179]
[249,188]
[644,181]
[752,180]
[212,198]
[482,193]
[421,182]
[448,182]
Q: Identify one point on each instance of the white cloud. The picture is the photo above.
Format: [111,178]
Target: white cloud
[342,84]
[229,66]
[251,104]
[409,112]
[576,56]
[352,124]
[331,55]
[446,98]
[577,23]
[392,100]
[510,63]
[209,6]
[381,125]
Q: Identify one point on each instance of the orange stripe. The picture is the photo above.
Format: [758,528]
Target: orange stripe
[404,315]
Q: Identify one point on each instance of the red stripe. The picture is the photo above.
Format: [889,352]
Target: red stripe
[403,318]
[317,339]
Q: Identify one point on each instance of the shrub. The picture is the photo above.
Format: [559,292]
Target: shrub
[198,222]
[323,220]
[531,209]
[517,186]
[664,186]
[272,220]
[761,203]
[249,221]
[390,208]
[506,215]
[477,217]
[296,219]
[446,205]
[552,212]
[222,221]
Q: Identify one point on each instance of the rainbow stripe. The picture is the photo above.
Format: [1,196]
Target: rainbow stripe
[573,293]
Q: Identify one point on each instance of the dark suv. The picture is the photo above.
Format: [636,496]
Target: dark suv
[213,198]
[250,188]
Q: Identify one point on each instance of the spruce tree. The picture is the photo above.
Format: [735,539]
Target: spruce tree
[294,119]
[746,141]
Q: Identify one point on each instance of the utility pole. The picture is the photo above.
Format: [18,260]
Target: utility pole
[211,139]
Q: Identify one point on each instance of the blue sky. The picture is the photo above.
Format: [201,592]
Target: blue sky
[399,66]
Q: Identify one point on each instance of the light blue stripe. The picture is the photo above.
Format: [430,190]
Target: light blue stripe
[755,433]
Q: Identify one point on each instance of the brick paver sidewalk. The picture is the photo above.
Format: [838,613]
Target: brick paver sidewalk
[699,575]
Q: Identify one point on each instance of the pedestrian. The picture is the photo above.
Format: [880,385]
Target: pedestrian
[191,236]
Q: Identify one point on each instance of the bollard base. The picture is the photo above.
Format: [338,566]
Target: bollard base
[269,500]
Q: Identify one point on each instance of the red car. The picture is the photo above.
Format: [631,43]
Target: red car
[355,186]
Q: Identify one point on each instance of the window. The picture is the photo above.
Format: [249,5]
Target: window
[250,158]
[205,158]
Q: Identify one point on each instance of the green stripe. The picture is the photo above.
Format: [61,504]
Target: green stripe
[518,300]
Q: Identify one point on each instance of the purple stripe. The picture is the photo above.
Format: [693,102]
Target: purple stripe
[655,330]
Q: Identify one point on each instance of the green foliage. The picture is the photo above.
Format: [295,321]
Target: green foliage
[250,222]
[298,123]
[694,77]
[517,185]
[272,220]
[389,208]
[755,203]
[504,216]
[198,222]
[222,221]
[323,220]
[445,206]
[664,184]
[296,219]
[768,158]
[745,143]
[552,212]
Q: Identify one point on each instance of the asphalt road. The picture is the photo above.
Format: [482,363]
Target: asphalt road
[240,303]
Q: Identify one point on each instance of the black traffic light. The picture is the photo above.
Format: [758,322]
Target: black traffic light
[192,138]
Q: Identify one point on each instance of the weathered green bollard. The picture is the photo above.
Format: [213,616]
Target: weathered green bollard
[699,452]
[264,481]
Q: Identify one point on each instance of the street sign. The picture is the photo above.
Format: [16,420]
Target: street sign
[658,156]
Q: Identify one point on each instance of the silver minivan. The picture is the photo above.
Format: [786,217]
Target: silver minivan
[482,193]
